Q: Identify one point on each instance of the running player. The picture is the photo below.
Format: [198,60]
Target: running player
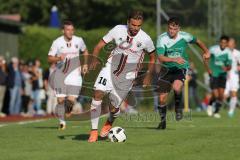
[220,64]
[171,50]
[66,79]
[116,78]
[232,84]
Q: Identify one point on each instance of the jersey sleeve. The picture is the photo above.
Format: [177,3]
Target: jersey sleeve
[149,48]
[160,46]
[110,35]
[211,50]
[189,38]
[229,59]
[83,46]
[238,57]
[53,50]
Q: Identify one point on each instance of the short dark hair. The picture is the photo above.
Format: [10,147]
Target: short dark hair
[67,23]
[224,37]
[135,14]
[174,21]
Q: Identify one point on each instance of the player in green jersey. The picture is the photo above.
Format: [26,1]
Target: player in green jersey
[220,62]
[171,50]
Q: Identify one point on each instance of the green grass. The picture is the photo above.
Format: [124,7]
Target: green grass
[200,137]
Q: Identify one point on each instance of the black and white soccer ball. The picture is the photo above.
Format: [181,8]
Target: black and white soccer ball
[117,134]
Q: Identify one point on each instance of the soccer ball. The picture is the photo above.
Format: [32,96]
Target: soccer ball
[117,134]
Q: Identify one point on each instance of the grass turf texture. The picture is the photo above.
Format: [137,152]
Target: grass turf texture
[200,137]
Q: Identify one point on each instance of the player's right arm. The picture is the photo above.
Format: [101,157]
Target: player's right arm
[53,57]
[95,54]
[106,39]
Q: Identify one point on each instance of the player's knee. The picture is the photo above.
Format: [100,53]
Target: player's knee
[69,103]
[115,111]
[95,104]
[98,95]
[162,100]
[60,101]
[177,90]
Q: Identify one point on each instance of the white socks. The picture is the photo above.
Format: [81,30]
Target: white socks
[95,113]
[233,103]
[60,112]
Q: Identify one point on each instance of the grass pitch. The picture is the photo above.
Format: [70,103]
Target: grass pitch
[196,137]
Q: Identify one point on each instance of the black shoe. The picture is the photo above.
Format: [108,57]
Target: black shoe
[179,115]
[162,125]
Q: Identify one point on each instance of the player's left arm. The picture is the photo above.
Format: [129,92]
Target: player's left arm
[84,51]
[150,49]
[228,63]
[85,62]
[206,54]
[148,78]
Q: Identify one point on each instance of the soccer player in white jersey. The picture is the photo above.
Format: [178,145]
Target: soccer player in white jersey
[66,79]
[171,50]
[232,84]
[116,78]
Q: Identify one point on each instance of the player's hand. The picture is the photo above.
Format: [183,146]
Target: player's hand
[84,69]
[226,68]
[62,57]
[93,64]
[179,60]
[209,72]
[147,80]
[206,55]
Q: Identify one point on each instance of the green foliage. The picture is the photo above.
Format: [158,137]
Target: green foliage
[36,41]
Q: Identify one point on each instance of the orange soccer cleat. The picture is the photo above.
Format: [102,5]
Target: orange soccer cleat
[93,136]
[106,128]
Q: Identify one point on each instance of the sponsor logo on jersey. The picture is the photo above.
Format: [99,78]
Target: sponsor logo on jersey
[139,44]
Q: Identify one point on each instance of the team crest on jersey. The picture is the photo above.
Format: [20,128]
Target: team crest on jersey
[76,46]
[139,44]
[120,39]
[69,45]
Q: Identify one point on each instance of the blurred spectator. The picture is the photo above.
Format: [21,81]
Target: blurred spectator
[205,101]
[193,86]
[51,98]
[15,83]
[26,98]
[35,79]
[3,80]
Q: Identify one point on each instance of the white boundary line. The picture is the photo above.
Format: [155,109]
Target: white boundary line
[23,122]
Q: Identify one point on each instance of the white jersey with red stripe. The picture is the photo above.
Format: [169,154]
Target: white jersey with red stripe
[67,76]
[235,63]
[132,49]
[71,49]
[122,65]
[232,83]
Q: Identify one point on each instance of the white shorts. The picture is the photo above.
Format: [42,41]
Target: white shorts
[67,84]
[104,82]
[232,84]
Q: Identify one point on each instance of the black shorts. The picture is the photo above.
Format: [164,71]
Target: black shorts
[168,76]
[218,82]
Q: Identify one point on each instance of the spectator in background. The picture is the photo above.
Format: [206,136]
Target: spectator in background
[3,79]
[15,83]
[26,98]
[51,98]
[205,101]
[193,86]
[35,79]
